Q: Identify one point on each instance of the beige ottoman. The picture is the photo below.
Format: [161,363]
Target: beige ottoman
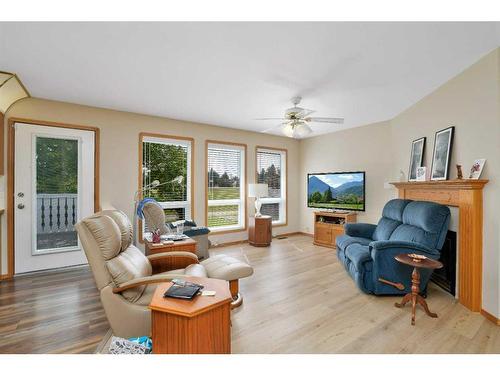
[227,268]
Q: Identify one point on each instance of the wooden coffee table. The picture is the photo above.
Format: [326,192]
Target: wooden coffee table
[184,245]
[198,326]
[414,296]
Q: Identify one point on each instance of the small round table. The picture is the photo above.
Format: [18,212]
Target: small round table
[414,296]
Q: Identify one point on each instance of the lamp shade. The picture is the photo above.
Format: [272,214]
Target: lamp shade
[257,190]
[11,90]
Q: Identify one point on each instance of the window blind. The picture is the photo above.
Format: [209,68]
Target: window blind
[225,186]
[270,170]
[164,160]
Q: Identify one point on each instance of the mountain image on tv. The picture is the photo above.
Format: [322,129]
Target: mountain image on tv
[336,190]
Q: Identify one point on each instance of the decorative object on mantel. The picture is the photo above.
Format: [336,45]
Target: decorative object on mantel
[416,157]
[477,169]
[467,195]
[421,174]
[459,172]
[443,142]
[402,177]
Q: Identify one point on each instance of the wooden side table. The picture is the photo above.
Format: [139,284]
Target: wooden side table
[185,245]
[260,230]
[414,296]
[198,326]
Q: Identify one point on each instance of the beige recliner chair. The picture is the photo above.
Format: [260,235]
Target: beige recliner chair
[126,278]
[155,220]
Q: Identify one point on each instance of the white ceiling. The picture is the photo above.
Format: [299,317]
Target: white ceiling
[230,73]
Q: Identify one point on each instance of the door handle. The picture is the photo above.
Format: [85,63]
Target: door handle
[20,206]
[20,194]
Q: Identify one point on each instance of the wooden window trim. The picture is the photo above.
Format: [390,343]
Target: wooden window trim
[143,135]
[284,150]
[245,197]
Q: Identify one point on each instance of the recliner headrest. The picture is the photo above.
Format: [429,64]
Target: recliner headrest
[106,233]
[124,225]
[429,216]
[394,209]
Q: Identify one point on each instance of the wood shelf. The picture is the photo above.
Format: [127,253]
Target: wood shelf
[328,225]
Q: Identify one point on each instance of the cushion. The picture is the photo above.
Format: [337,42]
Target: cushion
[344,241]
[411,233]
[187,223]
[195,270]
[128,265]
[394,209]
[226,268]
[431,217]
[358,254]
[154,217]
[106,233]
[125,227]
[196,231]
[385,227]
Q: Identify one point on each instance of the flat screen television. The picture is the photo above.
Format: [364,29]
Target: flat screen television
[338,190]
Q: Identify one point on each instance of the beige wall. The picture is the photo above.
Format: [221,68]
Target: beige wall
[471,103]
[366,149]
[119,154]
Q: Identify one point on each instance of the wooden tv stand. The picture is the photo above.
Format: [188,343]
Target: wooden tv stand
[330,224]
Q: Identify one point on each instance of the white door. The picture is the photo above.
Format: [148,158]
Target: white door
[54,188]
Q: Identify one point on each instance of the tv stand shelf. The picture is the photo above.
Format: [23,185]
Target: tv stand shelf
[330,224]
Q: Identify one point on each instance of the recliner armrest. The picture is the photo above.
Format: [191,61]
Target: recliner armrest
[173,260]
[171,254]
[403,246]
[360,230]
[145,281]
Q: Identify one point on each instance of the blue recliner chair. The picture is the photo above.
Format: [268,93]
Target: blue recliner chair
[367,251]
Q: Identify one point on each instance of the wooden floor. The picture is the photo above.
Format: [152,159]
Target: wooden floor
[56,312]
[299,300]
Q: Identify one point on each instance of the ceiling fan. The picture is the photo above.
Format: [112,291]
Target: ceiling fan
[295,123]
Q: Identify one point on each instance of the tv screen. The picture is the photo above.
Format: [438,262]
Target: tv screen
[341,190]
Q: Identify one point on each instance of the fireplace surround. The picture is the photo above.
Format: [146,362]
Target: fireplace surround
[467,195]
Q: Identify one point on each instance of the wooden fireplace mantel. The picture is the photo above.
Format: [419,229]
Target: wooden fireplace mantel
[467,195]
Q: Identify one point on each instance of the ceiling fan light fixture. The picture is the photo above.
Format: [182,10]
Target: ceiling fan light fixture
[289,130]
[297,119]
[302,130]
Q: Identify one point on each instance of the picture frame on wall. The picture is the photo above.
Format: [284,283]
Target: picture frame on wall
[416,157]
[443,142]
[421,174]
[477,169]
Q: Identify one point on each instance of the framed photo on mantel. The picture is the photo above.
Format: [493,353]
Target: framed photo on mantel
[416,157]
[441,156]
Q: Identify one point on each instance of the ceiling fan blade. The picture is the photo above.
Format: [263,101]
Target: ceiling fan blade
[331,120]
[305,112]
[271,118]
[276,128]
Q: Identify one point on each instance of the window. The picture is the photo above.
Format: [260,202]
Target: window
[165,159]
[271,170]
[226,175]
